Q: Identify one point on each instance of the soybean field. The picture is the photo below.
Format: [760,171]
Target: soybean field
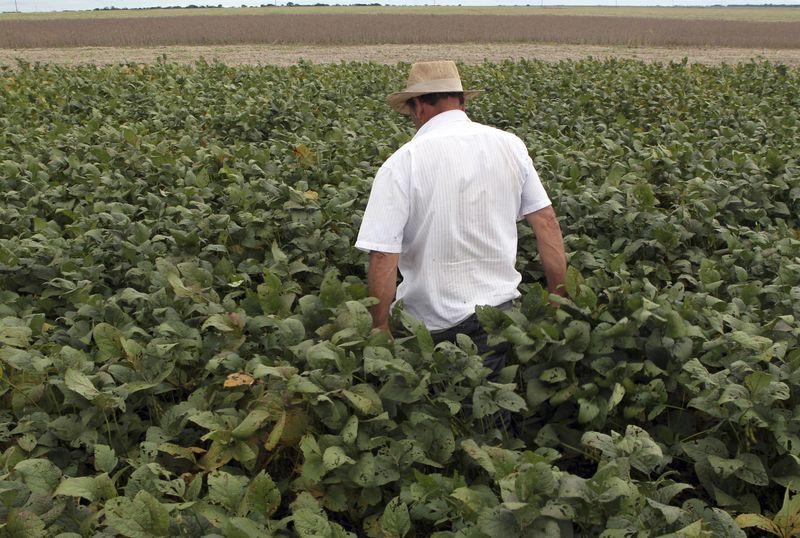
[185,344]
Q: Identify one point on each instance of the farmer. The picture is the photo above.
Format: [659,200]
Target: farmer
[444,209]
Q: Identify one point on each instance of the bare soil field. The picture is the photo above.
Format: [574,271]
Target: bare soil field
[372,29]
[470,53]
[729,13]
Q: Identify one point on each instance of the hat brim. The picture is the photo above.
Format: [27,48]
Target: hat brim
[399,100]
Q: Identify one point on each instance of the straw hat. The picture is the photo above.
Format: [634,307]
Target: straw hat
[429,77]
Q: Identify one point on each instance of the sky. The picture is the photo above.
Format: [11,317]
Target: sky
[66,5]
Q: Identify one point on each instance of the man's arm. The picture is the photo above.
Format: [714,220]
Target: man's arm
[382,284]
[551,247]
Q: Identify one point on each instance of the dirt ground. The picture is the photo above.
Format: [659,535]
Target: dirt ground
[468,53]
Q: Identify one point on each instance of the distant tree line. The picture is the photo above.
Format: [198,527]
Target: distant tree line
[190,6]
[219,6]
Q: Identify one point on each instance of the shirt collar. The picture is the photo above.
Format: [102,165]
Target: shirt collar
[441,120]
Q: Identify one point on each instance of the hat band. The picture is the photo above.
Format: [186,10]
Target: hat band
[436,86]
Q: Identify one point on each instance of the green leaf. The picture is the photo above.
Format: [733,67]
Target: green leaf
[7,256]
[105,459]
[718,521]
[355,315]
[483,403]
[334,457]
[587,411]
[15,335]
[209,420]
[475,498]
[251,423]
[142,517]
[424,338]
[616,396]
[510,400]
[492,319]
[752,471]
[240,527]
[226,489]
[574,487]
[310,520]
[498,522]
[169,272]
[39,475]
[22,524]
[479,455]
[535,480]
[107,338]
[572,280]
[363,472]
[331,291]
[553,375]
[263,497]
[644,194]
[693,530]
[725,467]
[751,341]
[277,432]
[350,431]
[359,402]
[364,398]
[616,488]
[765,389]
[577,335]
[84,486]
[221,322]
[78,382]
[395,521]
[671,513]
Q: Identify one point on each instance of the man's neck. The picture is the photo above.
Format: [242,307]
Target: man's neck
[440,108]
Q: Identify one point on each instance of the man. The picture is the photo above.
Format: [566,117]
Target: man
[444,209]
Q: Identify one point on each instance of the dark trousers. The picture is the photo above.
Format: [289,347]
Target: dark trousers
[494,360]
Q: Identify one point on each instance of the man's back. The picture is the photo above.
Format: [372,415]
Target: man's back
[448,201]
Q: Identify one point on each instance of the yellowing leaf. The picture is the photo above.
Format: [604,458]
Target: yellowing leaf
[757,520]
[238,379]
[304,155]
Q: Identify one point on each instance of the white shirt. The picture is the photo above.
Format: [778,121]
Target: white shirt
[448,201]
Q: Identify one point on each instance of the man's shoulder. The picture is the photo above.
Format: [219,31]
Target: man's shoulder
[399,154]
[398,159]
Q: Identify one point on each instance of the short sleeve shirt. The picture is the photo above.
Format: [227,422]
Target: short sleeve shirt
[448,201]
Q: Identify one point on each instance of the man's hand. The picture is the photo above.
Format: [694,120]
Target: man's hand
[382,284]
[551,248]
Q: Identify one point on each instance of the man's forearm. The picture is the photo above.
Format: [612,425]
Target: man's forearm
[382,284]
[554,262]
[550,243]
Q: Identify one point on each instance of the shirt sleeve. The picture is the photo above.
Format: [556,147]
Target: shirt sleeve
[534,197]
[386,213]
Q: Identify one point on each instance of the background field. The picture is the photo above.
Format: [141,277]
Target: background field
[283,36]
[368,29]
[770,14]
[466,53]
